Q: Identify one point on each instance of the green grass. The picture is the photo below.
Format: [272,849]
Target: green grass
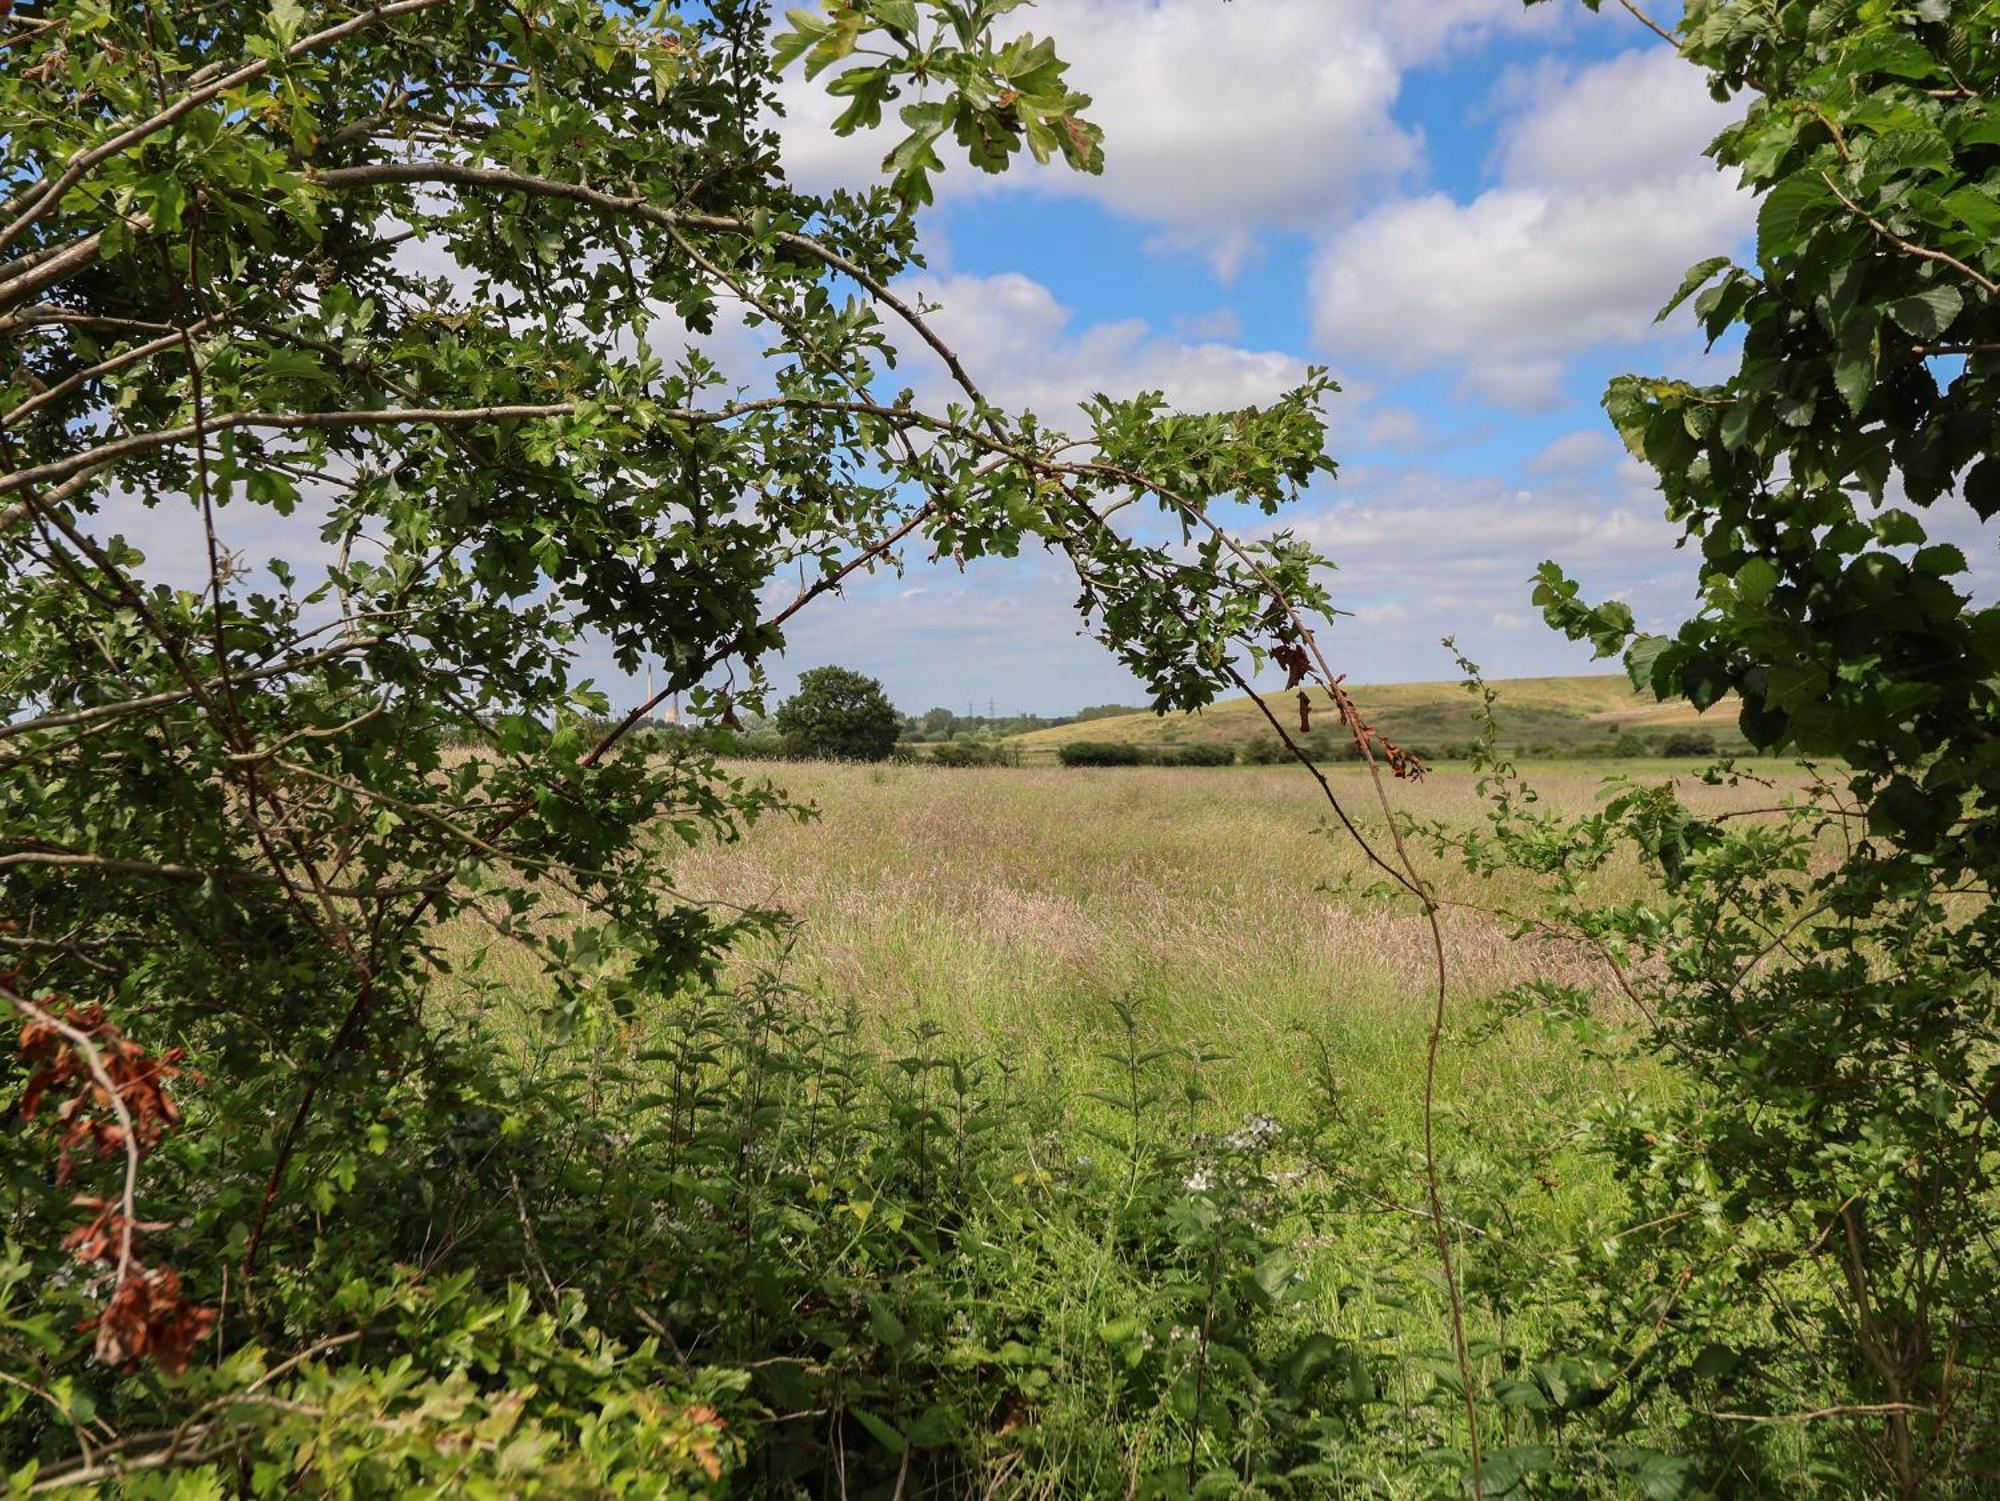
[1014,917]
[1012,908]
[1562,713]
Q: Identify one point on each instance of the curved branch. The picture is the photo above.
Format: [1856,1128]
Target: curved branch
[1910,247]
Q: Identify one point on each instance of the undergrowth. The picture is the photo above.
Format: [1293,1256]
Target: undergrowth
[744,1242]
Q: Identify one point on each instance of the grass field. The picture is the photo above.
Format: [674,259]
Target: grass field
[1560,713]
[1011,908]
[1034,925]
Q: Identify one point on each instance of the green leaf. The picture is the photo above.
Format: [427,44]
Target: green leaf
[884,1325]
[1898,528]
[1854,374]
[1898,151]
[1928,313]
[1786,212]
[1891,51]
[1940,560]
[1642,656]
[1667,1477]
[1975,208]
[914,158]
[286,19]
[789,46]
[1273,1274]
[898,15]
[1755,580]
[1981,488]
[883,1432]
[1698,276]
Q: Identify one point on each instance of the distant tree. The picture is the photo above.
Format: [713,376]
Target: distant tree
[838,715]
[1106,711]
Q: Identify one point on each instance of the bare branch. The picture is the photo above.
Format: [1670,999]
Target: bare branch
[1653,26]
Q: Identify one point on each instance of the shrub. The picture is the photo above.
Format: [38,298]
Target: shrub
[959,753]
[1200,755]
[761,745]
[1689,743]
[1263,751]
[838,715]
[1099,753]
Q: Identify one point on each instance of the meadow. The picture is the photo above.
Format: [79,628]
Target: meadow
[1185,1012]
[1010,905]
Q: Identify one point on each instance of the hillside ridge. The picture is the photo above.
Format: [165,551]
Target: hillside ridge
[1557,713]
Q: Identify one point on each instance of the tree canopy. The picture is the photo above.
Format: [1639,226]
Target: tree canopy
[1864,398]
[839,715]
[395,331]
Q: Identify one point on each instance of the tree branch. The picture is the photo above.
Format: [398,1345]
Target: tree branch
[1910,247]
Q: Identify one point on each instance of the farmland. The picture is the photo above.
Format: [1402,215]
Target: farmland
[1550,716]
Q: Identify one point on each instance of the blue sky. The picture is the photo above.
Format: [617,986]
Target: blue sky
[1467,209]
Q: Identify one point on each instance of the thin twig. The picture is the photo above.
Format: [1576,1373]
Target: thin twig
[1653,26]
[1910,247]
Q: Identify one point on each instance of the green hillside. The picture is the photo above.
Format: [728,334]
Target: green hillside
[1558,715]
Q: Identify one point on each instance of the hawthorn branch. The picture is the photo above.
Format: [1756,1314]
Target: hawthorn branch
[109,366]
[111,452]
[172,696]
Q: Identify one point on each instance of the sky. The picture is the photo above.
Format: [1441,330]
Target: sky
[1469,210]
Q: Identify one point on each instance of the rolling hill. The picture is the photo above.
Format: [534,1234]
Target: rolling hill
[1559,715]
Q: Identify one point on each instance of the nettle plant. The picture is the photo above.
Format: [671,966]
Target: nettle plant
[383,329]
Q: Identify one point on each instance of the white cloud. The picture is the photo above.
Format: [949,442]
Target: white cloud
[1603,202]
[1026,350]
[1641,116]
[1220,120]
[1422,31]
[1435,554]
[1022,345]
[1577,453]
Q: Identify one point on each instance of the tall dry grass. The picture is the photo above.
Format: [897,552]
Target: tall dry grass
[1010,906]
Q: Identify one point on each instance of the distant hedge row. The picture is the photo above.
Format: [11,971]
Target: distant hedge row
[1338,746]
[1116,753]
[1326,745]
